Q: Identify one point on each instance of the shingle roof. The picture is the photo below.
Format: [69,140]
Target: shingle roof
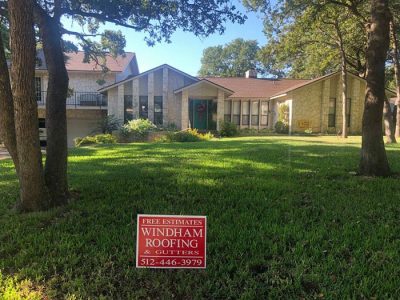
[255,87]
[75,62]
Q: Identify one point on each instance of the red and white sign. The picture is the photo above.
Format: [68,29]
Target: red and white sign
[171,242]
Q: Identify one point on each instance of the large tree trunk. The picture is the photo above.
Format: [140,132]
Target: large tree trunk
[344,95]
[373,155]
[33,192]
[389,124]
[396,67]
[7,124]
[56,114]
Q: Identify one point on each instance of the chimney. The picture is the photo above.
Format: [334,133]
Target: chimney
[252,73]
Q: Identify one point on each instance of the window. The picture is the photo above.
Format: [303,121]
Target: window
[143,107]
[236,113]
[264,113]
[348,111]
[246,113]
[128,108]
[332,112]
[158,110]
[227,111]
[38,89]
[254,113]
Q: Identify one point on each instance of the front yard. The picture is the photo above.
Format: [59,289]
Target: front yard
[286,216]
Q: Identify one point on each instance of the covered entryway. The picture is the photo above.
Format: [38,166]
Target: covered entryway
[202,105]
[201,114]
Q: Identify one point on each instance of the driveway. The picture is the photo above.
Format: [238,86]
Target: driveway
[3,153]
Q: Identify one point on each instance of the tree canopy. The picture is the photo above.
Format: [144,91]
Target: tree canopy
[304,40]
[230,60]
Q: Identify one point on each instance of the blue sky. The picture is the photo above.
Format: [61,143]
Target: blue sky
[185,50]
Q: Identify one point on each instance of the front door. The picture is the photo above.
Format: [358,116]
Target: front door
[200,114]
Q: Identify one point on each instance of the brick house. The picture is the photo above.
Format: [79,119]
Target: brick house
[166,95]
[85,105]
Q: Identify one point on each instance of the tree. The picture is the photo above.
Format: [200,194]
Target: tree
[373,155]
[33,192]
[396,69]
[7,124]
[315,41]
[230,60]
[159,19]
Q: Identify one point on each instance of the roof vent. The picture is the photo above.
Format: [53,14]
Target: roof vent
[252,73]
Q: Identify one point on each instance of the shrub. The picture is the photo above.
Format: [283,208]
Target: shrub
[281,127]
[108,124]
[228,129]
[308,131]
[96,139]
[255,132]
[136,130]
[189,135]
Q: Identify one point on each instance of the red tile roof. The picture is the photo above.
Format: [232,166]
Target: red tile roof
[256,87]
[118,64]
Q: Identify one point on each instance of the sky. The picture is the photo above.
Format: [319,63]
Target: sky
[185,50]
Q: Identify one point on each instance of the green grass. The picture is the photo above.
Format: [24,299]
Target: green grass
[286,218]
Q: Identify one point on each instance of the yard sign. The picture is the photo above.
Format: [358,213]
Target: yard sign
[171,242]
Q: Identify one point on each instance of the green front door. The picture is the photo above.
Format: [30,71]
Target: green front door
[199,114]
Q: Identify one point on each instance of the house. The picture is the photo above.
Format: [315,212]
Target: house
[85,105]
[166,95]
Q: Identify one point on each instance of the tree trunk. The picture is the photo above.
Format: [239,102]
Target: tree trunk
[396,67]
[373,155]
[56,114]
[389,124]
[7,124]
[344,95]
[33,192]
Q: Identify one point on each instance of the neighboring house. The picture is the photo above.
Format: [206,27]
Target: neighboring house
[85,105]
[166,96]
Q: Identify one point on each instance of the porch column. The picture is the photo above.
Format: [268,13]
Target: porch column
[150,93]
[165,96]
[185,110]
[120,113]
[135,98]
[220,108]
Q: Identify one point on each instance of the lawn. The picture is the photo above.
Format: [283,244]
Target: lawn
[287,219]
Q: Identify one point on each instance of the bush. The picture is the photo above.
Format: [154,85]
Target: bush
[137,129]
[96,139]
[281,127]
[108,124]
[308,131]
[189,135]
[228,129]
[255,132]
[141,126]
